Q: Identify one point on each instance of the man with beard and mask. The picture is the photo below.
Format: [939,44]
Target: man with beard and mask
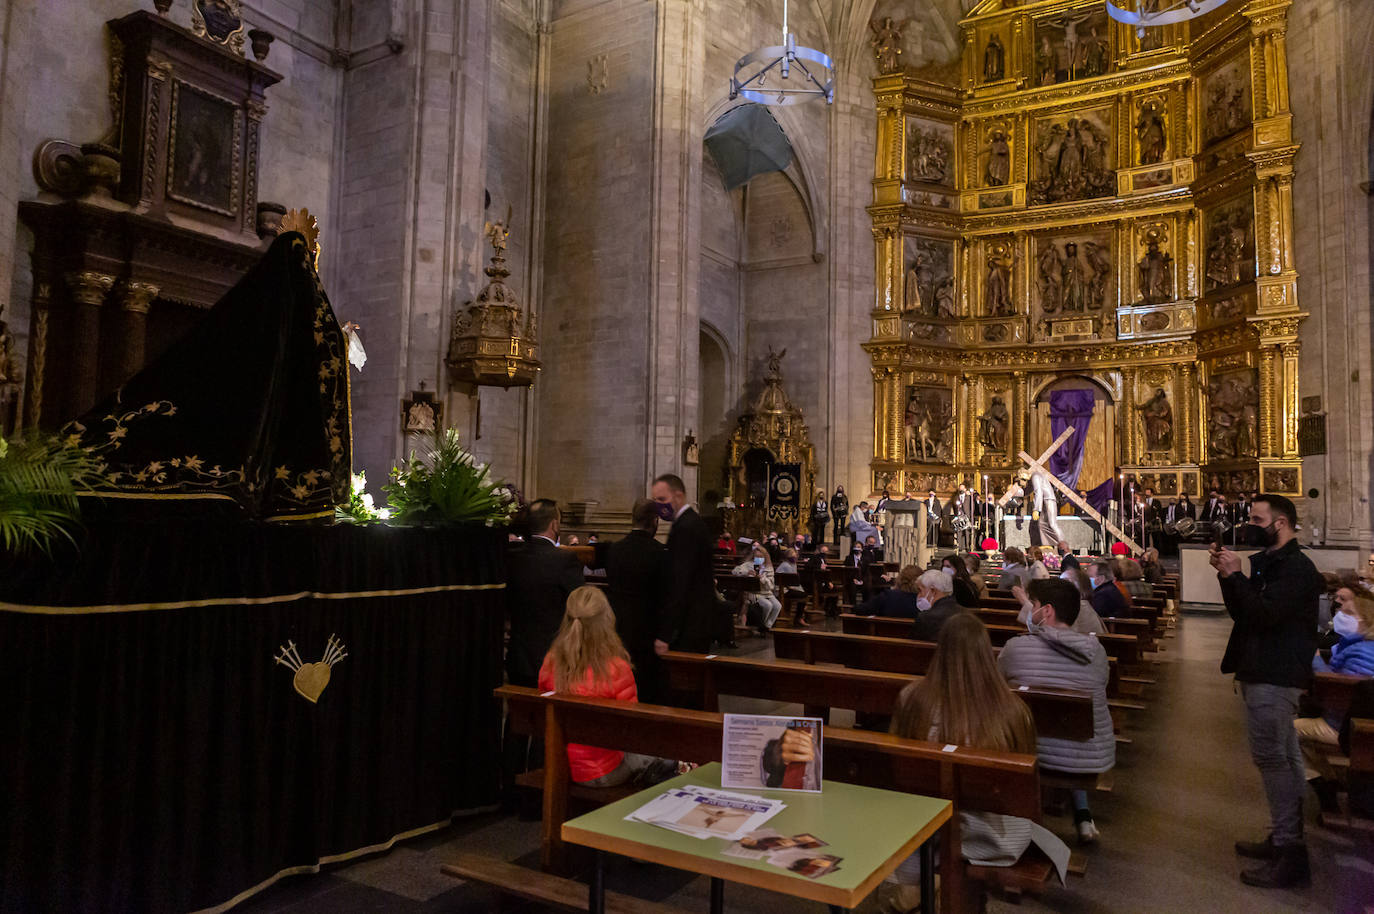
[839,511]
[691,612]
[1270,652]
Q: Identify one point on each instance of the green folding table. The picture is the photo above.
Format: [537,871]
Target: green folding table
[872,830]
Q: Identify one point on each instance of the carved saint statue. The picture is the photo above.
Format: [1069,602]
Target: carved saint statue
[1101,267]
[997,287]
[1155,273]
[1051,279]
[1158,418]
[994,60]
[775,364]
[1075,281]
[998,171]
[992,426]
[911,289]
[887,44]
[1149,131]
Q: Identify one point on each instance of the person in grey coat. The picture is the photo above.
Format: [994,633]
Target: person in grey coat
[1015,571]
[1054,656]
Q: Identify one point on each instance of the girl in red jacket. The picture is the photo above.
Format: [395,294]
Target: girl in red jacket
[588,658]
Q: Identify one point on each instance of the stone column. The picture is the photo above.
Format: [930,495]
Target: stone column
[1129,420]
[895,416]
[1271,393]
[135,298]
[1187,443]
[1289,402]
[88,290]
[1020,412]
[38,346]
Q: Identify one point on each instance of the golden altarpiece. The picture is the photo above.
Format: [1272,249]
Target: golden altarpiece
[1095,211]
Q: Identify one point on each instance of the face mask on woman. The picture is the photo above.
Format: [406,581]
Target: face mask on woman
[1345,625]
[948,570]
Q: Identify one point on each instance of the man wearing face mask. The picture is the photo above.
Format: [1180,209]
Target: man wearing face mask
[1054,656]
[1270,652]
[935,603]
[691,612]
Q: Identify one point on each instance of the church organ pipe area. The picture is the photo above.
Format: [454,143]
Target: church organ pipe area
[1093,229]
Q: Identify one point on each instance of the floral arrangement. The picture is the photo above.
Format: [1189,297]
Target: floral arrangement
[40,478]
[445,484]
[359,508]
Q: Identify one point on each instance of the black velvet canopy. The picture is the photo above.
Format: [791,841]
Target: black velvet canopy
[250,409]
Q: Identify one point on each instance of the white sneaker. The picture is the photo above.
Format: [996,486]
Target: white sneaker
[1087,832]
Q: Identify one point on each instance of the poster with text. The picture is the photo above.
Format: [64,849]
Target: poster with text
[782,753]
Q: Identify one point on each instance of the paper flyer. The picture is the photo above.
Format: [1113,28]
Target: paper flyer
[705,813]
[800,854]
[780,753]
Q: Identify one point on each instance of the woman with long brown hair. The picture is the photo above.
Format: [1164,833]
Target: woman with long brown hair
[964,700]
[587,658]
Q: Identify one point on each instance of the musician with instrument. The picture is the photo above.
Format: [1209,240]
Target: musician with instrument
[933,518]
[961,518]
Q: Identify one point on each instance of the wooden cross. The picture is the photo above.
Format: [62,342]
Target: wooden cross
[1070,494]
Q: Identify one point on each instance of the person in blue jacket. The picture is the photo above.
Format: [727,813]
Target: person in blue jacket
[1352,623]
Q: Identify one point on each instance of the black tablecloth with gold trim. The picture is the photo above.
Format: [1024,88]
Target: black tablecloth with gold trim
[156,756]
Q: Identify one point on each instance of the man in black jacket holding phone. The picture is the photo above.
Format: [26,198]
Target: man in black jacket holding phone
[1270,652]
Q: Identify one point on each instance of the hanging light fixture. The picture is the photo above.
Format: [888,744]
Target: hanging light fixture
[753,73]
[1145,14]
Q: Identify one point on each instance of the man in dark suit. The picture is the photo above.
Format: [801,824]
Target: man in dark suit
[690,614]
[636,570]
[1209,507]
[541,577]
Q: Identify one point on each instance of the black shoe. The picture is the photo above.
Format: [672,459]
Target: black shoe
[1289,868]
[1257,850]
[1327,794]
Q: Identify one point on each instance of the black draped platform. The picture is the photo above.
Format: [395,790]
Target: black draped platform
[155,756]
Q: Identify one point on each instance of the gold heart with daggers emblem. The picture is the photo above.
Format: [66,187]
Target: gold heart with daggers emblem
[311,679]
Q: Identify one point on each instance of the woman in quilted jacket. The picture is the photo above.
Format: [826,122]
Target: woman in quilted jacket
[587,658]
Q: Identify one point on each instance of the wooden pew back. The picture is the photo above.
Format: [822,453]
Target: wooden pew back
[1057,713]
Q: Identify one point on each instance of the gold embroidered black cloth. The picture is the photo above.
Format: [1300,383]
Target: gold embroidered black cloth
[249,409]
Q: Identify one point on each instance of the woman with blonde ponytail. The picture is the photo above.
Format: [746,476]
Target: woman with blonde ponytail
[587,658]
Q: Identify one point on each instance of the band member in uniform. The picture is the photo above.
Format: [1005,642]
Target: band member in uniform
[820,517]
[961,518]
[839,511]
[933,520]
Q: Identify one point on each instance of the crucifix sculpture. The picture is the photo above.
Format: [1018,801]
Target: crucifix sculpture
[1034,465]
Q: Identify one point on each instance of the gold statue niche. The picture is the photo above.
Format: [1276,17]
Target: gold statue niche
[1081,208]
[774,431]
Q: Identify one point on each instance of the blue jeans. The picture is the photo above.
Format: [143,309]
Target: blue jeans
[1269,714]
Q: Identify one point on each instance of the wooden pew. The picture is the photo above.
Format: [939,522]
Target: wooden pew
[895,655]
[1125,649]
[1333,691]
[999,782]
[1057,713]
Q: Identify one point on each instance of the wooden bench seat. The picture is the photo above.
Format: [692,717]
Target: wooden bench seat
[1125,649]
[543,888]
[1057,713]
[1000,782]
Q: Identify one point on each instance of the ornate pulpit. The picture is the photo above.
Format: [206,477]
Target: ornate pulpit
[773,434]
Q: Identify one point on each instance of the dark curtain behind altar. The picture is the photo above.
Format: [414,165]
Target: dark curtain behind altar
[157,758]
[1069,409]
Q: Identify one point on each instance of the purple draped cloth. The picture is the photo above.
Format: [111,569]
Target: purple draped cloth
[1069,409]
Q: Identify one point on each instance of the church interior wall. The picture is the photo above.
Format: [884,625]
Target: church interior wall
[513,184]
[1332,91]
[595,328]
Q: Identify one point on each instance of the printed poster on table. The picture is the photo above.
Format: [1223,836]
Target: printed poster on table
[781,753]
